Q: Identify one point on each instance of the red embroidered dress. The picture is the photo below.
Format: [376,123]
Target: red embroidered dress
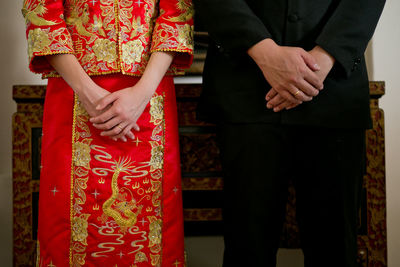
[106,203]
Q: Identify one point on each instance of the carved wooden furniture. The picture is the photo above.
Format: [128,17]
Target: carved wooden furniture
[201,170]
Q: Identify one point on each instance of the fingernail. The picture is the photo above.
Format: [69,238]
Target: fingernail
[115,139]
[269,106]
[124,139]
[317,66]
[98,107]
[268,98]
[102,134]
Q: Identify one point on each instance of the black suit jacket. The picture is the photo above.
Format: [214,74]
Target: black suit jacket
[234,88]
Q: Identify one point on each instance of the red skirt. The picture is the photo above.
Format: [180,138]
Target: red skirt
[107,203]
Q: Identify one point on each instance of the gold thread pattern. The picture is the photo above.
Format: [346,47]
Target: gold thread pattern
[121,210]
[79,178]
[108,36]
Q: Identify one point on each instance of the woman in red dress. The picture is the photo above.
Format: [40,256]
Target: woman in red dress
[110,192]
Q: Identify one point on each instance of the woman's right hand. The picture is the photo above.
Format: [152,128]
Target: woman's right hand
[90,97]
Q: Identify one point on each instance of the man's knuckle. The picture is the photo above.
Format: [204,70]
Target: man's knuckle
[303,69]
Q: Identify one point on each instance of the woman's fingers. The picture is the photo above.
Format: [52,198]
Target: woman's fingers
[126,133]
[109,124]
[115,131]
[130,135]
[107,100]
[121,131]
[136,127]
[104,117]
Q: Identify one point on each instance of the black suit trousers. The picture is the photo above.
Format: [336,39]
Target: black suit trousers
[326,167]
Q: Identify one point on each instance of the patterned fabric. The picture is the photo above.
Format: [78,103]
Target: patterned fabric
[109,36]
[106,203]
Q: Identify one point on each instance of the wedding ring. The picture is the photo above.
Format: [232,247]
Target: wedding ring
[120,127]
[298,91]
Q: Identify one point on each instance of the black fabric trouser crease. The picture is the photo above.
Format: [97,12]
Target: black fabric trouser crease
[326,166]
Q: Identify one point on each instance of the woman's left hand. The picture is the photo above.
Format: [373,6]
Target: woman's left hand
[126,106]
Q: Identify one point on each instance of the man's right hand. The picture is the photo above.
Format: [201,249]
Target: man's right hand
[289,70]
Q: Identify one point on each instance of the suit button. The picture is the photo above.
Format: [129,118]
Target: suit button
[358,60]
[293,17]
[220,48]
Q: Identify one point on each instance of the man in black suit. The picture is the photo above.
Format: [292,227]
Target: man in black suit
[286,83]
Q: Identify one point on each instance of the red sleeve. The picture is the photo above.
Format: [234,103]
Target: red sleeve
[46,32]
[173,31]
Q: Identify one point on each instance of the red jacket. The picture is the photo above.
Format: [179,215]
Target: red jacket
[108,36]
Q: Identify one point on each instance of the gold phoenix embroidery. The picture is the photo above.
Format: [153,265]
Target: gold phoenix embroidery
[32,12]
[187,11]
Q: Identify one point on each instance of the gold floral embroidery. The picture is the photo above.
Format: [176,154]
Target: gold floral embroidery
[80,110]
[38,41]
[157,156]
[105,50]
[82,154]
[185,35]
[155,260]
[132,51]
[156,188]
[173,38]
[79,178]
[155,233]
[140,257]
[156,109]
[46,42]
[79,228]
